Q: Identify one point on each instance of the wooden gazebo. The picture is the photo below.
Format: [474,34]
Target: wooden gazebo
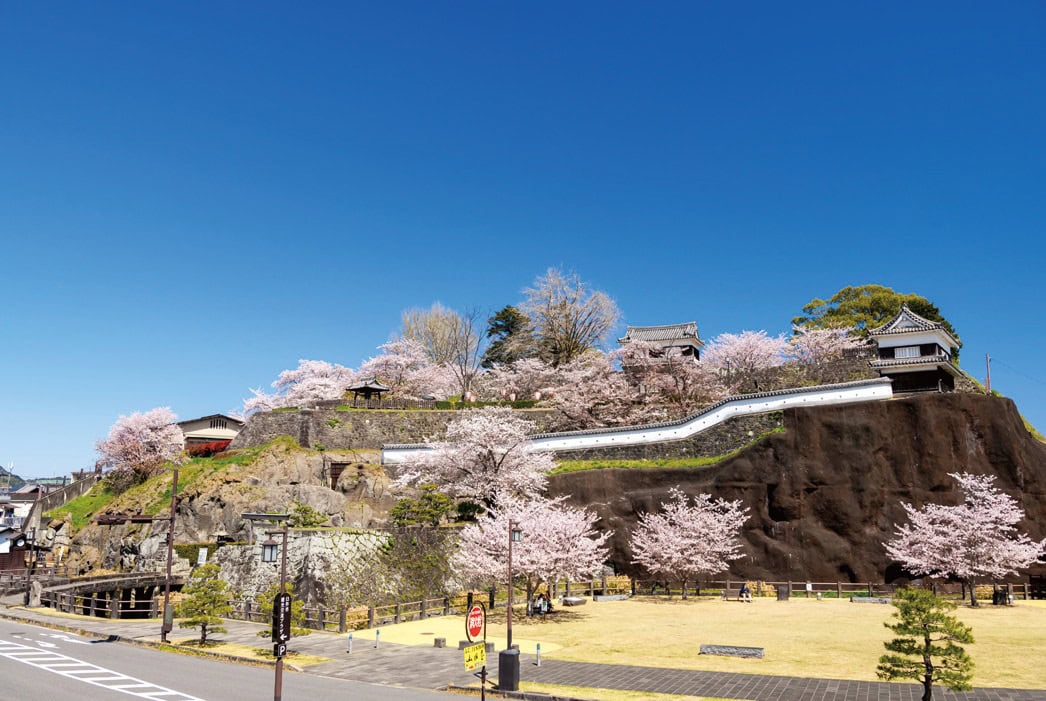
[369,389]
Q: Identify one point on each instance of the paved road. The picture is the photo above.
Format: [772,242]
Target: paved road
[403,670]
[42,663]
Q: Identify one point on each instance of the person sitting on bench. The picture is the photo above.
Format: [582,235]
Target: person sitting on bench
[744,593]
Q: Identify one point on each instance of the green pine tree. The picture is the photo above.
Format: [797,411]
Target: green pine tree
[927,649]
[207,600]
[265,601]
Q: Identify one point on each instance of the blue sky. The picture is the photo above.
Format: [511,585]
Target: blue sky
[193,196]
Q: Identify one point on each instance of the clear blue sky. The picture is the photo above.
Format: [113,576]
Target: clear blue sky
[193,196]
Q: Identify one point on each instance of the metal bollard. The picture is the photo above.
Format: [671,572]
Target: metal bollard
[350,643]
[377,637]
[538,663]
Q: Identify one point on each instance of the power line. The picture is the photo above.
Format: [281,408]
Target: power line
[1019,372]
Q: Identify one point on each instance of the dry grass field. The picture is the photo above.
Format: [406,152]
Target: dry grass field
[803,637]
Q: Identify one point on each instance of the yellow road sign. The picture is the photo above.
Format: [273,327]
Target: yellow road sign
[475,656]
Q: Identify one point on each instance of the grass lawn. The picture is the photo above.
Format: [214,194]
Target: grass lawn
[832,639]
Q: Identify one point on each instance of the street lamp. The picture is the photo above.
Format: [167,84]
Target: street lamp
[280,607]
[515,534]
[508,660]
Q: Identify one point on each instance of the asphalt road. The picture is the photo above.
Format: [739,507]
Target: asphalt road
[39,663]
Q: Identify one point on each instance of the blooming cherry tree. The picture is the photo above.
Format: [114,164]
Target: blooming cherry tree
[672,379]
[747,351]
[485,457]
[558,542]
[810,346]
[977,538]
[311,381]
[138,446]
[686,540]
[405,367]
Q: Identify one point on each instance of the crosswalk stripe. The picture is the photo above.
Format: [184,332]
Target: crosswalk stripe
[88,673]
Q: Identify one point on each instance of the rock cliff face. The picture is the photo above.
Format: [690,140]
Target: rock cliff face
[826,492]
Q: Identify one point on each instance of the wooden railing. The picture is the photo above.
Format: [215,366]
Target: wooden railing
[116,604]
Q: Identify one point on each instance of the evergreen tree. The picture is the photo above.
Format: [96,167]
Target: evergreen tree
[430,508]
[866,307]
[927,649]
[265,601]
[512,340]
[207,600]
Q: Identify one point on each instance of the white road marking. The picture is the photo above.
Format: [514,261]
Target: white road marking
[66,638]
[88,673]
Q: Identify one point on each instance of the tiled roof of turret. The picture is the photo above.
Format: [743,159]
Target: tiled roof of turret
[670,332]
[907,321]
[368,383]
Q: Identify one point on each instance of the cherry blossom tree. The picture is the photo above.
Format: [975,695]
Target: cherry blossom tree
[810,346]
[486,457]
[745,352]
[311,381]
[977,538]
[139,445]
[592,393]
[405,366]
[688,539]
[558,542]
[525,378]
[671,379]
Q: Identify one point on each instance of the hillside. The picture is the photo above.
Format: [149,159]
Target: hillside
[826,491]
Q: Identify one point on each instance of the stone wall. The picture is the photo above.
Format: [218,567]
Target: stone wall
[360,429]
[718,440]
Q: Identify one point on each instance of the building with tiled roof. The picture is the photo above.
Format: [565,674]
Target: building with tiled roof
[681,339]
[916,353]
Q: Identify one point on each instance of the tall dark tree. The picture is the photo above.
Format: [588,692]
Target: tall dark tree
[864,308]
[927,648]
[512,338]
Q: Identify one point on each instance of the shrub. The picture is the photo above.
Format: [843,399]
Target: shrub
[206,450]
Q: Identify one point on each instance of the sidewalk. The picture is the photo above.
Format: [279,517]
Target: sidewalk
[427,667]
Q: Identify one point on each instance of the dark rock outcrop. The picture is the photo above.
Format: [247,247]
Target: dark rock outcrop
[826,492]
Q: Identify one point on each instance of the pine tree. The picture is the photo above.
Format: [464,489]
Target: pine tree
[265,601]
[207,601]
[927,649]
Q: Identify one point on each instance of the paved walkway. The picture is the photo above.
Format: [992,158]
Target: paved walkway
[435,668]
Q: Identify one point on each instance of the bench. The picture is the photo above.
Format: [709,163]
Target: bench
[735,595]
[733,651]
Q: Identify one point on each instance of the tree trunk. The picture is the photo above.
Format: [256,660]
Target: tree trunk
[684,590]
[973,594]
[928,666]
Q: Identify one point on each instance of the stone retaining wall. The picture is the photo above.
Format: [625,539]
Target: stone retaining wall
[365,428]
[719,440]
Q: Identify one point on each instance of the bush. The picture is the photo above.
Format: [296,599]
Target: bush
[206,450]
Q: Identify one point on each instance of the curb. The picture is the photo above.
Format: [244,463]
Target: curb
[520,695]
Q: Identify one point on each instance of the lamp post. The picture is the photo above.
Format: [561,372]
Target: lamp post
[508,660]
[515,534]
[280,608]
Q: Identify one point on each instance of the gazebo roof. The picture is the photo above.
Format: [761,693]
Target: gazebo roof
[669,332]
[370,384]
[907,321]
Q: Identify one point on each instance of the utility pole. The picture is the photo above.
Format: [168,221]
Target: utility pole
[168,614]
[988,379]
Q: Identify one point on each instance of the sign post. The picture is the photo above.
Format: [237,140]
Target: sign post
[281,619]
[476,655]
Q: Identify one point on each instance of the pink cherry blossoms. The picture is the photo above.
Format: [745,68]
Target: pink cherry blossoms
[311,381]
[977,538]
[558,542]
[686,540]
[486,456]
[138,446]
